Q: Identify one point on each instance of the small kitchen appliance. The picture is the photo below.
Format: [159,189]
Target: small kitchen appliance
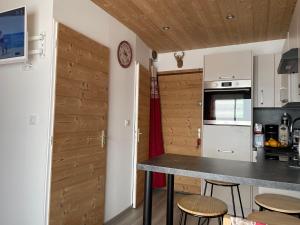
[271,131]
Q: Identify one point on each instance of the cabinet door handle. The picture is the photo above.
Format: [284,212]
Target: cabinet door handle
[227,77]
[226,151]
[261,96]
[103,139]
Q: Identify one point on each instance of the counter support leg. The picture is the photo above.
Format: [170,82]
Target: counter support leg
[170,199]
[147,198]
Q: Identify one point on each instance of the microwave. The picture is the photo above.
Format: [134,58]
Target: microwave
[227,103]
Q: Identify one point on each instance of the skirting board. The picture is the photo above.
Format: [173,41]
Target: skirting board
[117,217]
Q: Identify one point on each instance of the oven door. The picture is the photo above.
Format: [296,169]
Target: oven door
[228,106]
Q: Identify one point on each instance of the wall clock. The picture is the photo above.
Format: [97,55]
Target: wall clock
[124,54]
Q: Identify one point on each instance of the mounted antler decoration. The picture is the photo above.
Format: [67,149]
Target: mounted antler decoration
[179,59]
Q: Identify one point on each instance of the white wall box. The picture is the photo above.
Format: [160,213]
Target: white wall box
[228,66]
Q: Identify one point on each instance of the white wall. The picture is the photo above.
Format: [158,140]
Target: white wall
[100,26]
[293,40]
[143,53]
[193,59]
[24,147]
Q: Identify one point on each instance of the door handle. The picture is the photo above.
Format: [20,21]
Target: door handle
[226,151]
[227,77]
[199,138]
[138,135]
[262,97]
[103,139]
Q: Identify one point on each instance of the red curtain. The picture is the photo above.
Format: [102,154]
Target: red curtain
[156,146]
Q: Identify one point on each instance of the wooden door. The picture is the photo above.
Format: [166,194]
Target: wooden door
[181,95]
[142,131]
[79,150]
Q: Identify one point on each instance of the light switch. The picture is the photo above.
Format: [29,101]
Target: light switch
[33,119]
[127,123]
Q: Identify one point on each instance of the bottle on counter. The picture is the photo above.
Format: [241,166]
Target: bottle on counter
[283,132]
[259,136]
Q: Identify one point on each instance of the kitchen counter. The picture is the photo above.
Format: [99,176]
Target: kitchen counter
[265,173]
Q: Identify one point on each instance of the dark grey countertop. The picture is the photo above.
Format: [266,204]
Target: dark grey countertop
[266,173]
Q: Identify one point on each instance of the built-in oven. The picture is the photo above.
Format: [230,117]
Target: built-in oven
[227,102]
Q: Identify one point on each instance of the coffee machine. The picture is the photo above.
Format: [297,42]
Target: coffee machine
[271,131]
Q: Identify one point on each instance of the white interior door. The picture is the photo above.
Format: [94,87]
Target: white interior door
[141,130]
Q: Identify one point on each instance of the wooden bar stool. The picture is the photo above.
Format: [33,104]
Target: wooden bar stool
[202,207]
[226,184]
[273,218]
[278,203]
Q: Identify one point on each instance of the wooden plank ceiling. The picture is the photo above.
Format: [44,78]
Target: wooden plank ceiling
[202,23]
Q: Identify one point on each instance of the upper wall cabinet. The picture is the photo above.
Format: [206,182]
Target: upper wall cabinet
[270,89]
[281,85]
[228,66]
[264,81]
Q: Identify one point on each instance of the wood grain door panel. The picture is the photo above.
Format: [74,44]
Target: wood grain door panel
[143,128]
[181,118]
[79,156]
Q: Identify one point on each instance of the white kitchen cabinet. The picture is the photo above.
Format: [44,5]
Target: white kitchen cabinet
[264,80]
[228,66]
[281,85]
[234,143]
[270,88]
[227,142]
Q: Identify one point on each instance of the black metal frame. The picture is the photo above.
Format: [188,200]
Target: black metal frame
[170,199]
[148,199]
[147,217]
[232,194]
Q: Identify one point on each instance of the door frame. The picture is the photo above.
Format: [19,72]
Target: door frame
[179,72]
[51,127]
[134,132]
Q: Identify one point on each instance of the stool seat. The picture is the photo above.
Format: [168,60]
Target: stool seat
[273,218]
[279,203]
[202,206]
[221,183]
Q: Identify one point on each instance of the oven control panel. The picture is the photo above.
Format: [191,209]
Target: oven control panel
[227,84]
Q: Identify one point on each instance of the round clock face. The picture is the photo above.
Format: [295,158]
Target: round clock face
[124,54]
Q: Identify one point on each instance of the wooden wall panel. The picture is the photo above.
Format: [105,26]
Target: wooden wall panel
[79,158]
[181,118]
[143,125]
